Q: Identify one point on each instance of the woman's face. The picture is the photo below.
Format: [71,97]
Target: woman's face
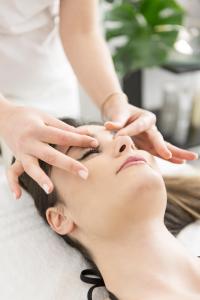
[109,201]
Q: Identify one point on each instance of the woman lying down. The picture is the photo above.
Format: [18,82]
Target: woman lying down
[118,219]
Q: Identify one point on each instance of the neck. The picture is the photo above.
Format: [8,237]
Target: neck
[144,257]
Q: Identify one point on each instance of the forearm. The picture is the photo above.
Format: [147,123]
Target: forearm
[92,63]
[5,106]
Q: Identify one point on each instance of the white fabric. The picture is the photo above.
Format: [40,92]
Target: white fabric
[190,235]
[34,262]
[33,68]
[171,169]
[190,238]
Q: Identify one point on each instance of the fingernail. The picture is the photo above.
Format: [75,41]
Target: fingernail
[46,188]
[169,154]
[115,123]
[94,143]
[14,195]
[83,174]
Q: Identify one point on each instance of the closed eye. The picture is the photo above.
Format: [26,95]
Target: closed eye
[89,152]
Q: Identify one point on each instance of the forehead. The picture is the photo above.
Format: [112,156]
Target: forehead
[91,130]
[96,130]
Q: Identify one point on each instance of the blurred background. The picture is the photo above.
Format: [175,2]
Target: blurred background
[155,46]
[156,51]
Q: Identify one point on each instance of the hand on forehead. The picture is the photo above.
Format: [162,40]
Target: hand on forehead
[93,129]
[90,130]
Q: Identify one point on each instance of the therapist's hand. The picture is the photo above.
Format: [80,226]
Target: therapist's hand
[27,132]
[133,121]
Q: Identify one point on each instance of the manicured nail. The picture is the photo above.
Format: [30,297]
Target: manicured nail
[169,154]
[46,188]
[14,195]
[83,174]
[115,123]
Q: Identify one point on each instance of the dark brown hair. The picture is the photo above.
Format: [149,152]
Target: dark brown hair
[183,206]
[43,201]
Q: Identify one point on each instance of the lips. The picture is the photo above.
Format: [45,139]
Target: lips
[131,159]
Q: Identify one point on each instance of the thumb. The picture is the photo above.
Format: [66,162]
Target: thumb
[117,121]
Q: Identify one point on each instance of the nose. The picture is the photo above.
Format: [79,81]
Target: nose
[122,145]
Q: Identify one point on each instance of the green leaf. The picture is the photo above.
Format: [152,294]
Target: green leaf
[149,28]
[121,12]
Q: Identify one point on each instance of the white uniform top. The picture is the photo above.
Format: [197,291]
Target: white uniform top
[33,68]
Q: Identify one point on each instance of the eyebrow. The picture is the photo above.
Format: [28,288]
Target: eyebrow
[91,135]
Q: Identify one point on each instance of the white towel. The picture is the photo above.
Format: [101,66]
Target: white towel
[34,262]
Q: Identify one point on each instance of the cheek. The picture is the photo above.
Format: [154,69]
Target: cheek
[94,204]
[96,187]
[84,197]
[90,202]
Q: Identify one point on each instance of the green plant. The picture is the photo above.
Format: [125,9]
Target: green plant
[147,30]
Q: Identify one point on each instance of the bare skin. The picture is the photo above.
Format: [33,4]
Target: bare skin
[90,58]
[27,132]
[119,218]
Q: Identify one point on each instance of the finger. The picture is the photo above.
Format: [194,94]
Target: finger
[182,153]
[86,131]
[83,130]
[60,160]
[159,143]
[112,126]
[177,160]
[172,160]
[118,120]
[109,125]
[12,173]
[143,123]
[178,154]
[32,168]
[54,122]
[57,136]
[143,145]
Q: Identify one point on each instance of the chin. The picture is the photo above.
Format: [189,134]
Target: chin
[140,179]
[142,197]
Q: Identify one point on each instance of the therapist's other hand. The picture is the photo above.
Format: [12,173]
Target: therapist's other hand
[140,124]
[27,132]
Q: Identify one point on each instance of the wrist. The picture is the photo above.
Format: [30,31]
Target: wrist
[110,101]
[5,109]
